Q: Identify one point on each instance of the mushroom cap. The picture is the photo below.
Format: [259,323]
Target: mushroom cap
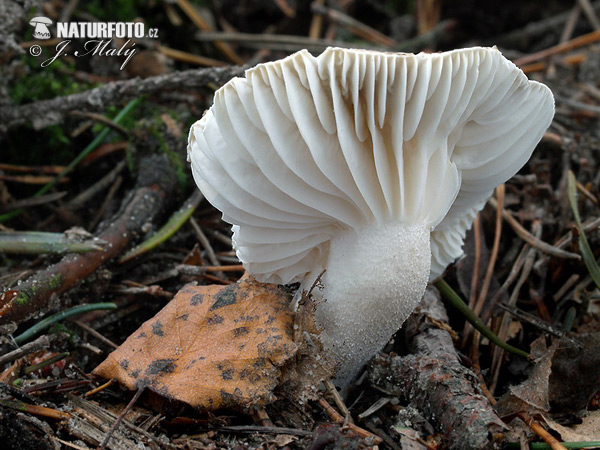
[306,147]
[40,19]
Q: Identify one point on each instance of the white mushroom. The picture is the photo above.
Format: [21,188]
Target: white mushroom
[368,165]
[41,27]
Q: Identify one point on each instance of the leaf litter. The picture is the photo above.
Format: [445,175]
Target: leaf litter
[211,346]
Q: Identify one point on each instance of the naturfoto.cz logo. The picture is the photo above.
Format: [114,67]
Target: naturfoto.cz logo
[99,35]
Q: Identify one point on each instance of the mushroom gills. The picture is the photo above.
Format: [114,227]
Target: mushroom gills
[375,277]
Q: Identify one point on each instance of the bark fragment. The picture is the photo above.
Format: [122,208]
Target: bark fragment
[433,380]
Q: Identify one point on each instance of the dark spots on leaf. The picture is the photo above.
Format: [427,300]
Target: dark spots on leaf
[157,329]
[238,392]
[227,374]
[184,317]
[160,366]
[251,376]
[142,335]
[245,319]
[216,319]
[270,320]
[135,373]
[143,383]
[260,331]
[274,330]
[226,396]
[226,297]
[259,363]
[242,347]
[266,348]
[241,331]
[124,363]
[196,299]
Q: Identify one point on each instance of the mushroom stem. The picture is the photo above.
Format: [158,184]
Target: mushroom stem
[375,277]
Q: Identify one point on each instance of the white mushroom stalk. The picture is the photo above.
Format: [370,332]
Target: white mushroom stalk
[368,165]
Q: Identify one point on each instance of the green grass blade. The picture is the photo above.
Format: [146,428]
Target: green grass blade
[477,323]
[48,321]
[586,251]
[35,242]
[169,229]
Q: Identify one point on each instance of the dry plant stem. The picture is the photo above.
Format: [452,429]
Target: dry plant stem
[199,21]
[353,25]
[570,24]
[573,279]
[510,279]
[588,225]
[258,429]
[103,120]
[32,201]
[261,418]
[580,41]
[134,399]
[476,264]
[530,239]
[477,306]
[316,24]
[35,409]
[581,188]
[210,253]
[384,436]
[98,186]
[54,170]
[32,296]
[337,398]
[30,347]
[541,432]
[94,333]
[51,112]
[337,418]
[589,12]
[191,58]
[498,354]
[90,422]
[285,8]
[434,376]
[288,42]
[109,197]
[494,254]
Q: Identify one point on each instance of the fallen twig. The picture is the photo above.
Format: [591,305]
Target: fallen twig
[155,183]
[433,376]
[51,112]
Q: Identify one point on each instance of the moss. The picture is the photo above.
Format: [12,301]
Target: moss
[55,281]
[23,298]
[157,130]
[42,83]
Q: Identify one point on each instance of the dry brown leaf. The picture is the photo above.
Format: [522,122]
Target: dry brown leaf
[530,396]
[587,430]
[211,346]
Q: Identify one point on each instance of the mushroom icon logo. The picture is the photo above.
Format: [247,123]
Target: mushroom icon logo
[41,27]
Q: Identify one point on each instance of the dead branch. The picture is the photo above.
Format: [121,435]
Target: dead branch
[51,112]
[154,186]
[434,381]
